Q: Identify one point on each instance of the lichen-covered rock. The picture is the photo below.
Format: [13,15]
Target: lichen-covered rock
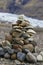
[18,41]
[6,43]
[23,24]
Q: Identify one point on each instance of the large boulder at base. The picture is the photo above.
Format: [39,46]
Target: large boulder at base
[21,56]
[30,57]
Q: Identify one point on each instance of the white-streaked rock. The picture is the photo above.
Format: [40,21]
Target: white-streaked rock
[31,31]
[17,62]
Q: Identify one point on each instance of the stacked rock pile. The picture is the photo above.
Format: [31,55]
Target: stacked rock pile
[19,44]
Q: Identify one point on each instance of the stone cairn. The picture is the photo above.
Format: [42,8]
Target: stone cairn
[19,44]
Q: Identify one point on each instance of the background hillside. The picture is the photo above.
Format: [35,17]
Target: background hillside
[31,8]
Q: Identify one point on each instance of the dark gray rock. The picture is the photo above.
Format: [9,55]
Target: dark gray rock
[26,51]
[7,56]
[24,35]
[15,50]
[0,43]
[9,50]
[21,56]
[31,58]
[6,49]
[1,51]
[26,64]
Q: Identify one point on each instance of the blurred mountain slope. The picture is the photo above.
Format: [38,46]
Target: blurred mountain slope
[31,8]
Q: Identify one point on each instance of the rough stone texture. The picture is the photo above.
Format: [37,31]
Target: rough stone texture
[12,62]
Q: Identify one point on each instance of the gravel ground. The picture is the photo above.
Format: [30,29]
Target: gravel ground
[12,62]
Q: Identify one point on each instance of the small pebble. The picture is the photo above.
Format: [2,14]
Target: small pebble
[39,58]
[17,62]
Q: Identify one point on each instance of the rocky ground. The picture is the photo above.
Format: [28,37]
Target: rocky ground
[12,62]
